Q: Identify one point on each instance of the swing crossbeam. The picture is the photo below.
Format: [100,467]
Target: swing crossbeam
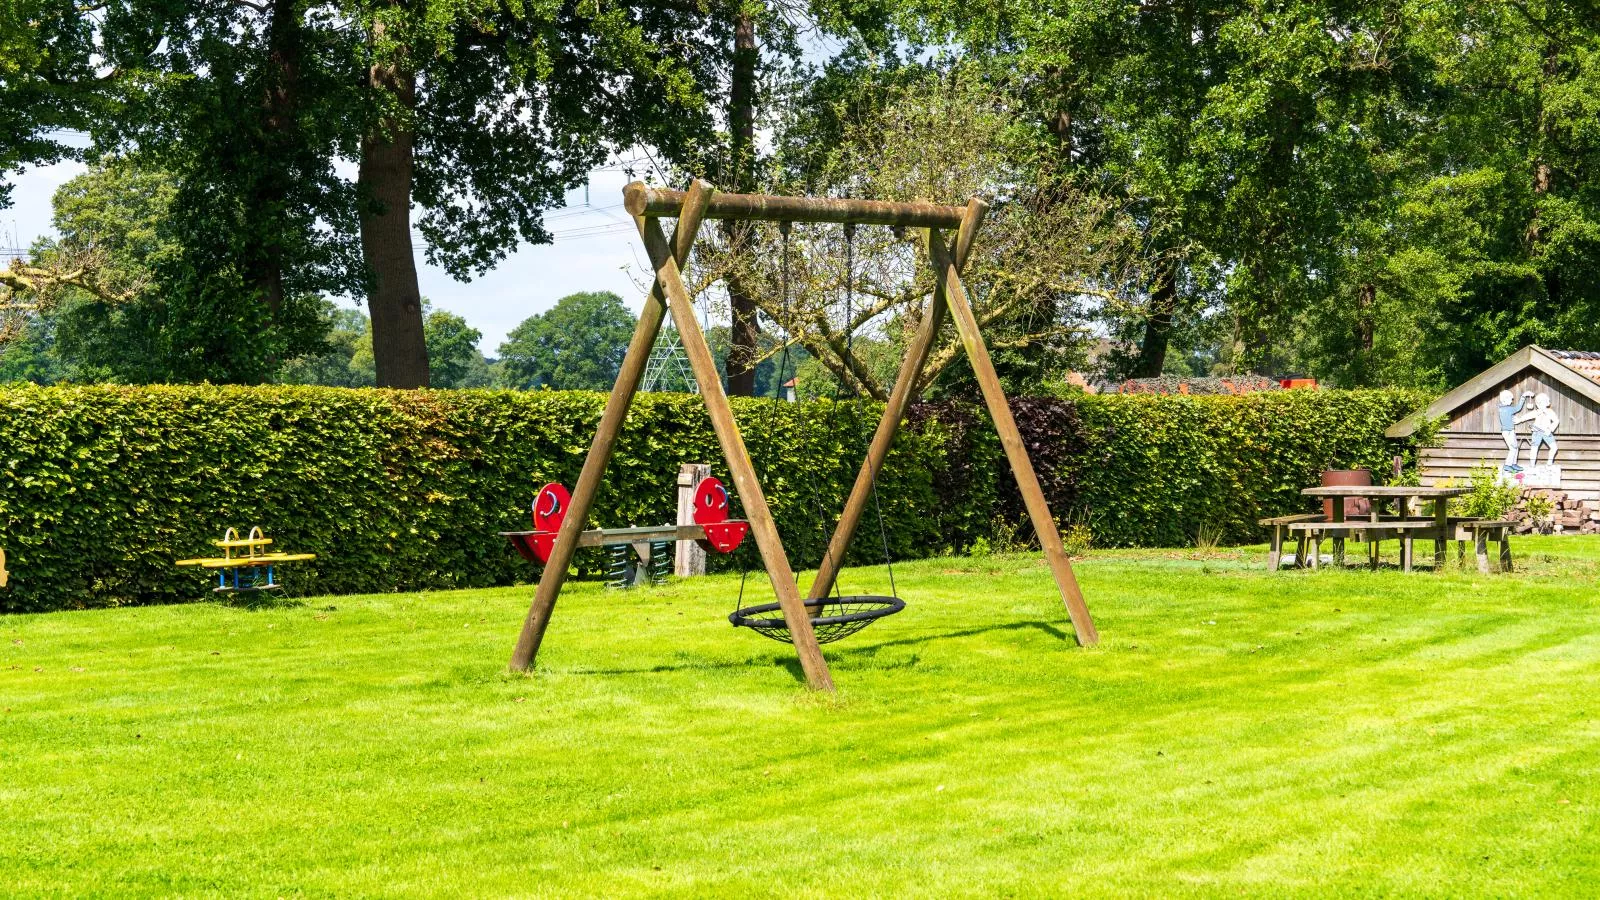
[668,293]
[640,200]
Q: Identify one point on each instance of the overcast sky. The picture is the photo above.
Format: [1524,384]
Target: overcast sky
[596,248]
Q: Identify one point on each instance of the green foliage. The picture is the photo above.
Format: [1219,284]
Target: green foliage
[1163,468]
[130,303]
[47,82]
[1539,508]
[576,345]
[393,490]
[453,357]
[31,355]
[255,108]
[1426,432]
[1489,496]
[345,359]
[404,490]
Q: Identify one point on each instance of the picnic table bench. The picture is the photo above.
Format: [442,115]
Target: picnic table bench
[1308,530]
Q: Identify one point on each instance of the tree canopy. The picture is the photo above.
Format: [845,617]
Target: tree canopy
[578,344]
[1367,192]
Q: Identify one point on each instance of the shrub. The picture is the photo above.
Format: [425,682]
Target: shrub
[1153,470]
[404,490]
[393,490]
[1489,496]
[1077,540]
[1540,509]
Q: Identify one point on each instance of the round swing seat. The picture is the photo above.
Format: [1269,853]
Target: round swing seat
[832,618]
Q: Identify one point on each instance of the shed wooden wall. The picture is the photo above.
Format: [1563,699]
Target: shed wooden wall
[1579,414]
[1578,457]
[1472,437]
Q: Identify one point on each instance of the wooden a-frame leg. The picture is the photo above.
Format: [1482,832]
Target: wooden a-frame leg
[893,412]
[605,439]
[994,396]
[751,498]
[1275,549]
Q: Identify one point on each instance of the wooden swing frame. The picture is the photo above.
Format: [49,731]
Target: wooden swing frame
[692,207]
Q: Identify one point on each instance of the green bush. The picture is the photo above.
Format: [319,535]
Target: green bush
[393,490]
[1168,466]
[1488,495]
[404,490]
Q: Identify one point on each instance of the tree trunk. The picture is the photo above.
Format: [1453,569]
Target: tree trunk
[1158,326]
[399,352]
[1366,299]
[263,259]
[745,333]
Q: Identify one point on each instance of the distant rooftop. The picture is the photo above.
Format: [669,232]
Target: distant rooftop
[1585,362]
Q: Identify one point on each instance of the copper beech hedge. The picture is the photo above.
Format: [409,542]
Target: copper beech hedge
[405,490]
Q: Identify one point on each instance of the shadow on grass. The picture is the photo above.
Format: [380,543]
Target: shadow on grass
[253,601]
[865,656]
[1045,627]
[687,666]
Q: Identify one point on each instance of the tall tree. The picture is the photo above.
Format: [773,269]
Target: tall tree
[480,113]
[1238,132]
[739,176]
[576,345]
[484,114]
[247,106]
[1048,253]
[453,354]
[125,303]
[387,168]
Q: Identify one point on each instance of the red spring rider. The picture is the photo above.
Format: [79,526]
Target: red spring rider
[713,529]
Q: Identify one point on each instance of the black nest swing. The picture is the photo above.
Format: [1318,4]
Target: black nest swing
[841,615]
[832,618]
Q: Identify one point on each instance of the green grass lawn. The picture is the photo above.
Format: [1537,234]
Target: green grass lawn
[1237,732]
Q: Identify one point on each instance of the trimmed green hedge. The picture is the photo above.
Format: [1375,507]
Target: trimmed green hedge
[1169,465]
[404,490]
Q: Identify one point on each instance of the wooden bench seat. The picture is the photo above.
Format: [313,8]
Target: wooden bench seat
[1407,530]
[1483,531]
[1278,525]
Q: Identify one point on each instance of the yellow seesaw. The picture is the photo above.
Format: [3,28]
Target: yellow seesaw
[245,565]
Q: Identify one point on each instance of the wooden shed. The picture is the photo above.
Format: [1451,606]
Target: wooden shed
[1535,417]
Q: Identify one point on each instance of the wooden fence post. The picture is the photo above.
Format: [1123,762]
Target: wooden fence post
[691,557]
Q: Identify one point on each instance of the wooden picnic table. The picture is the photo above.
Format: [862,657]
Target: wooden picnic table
[1400,494]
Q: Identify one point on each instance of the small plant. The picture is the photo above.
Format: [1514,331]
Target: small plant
[1077,530]
[1004,536]
[1077,539]
[1409,476]
[1007,536]
[1540,510]
[1207,537]
[1426,432]
[1488,497]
